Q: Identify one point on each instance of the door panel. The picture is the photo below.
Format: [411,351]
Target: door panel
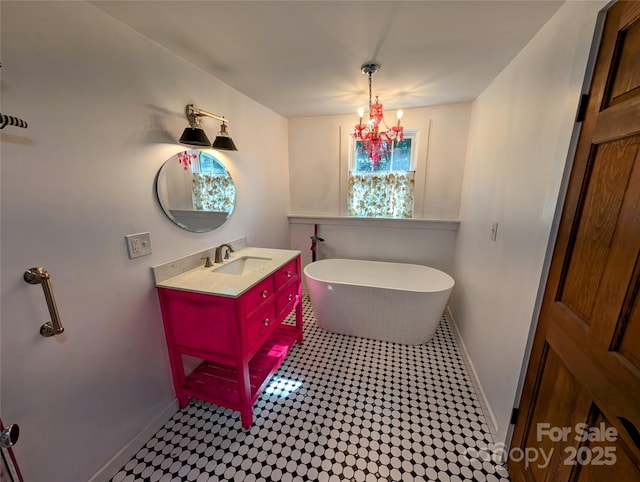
[626,342]
[584,371]
[606,459]
[625,77]
[550,413]
[588,252]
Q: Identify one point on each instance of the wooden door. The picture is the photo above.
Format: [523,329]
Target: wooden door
[579,417]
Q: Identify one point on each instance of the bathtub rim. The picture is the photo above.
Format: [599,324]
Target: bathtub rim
[450,285]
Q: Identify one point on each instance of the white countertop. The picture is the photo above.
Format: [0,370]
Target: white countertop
[208,281]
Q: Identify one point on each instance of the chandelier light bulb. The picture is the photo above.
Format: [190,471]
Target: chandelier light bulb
[360,114]
[399,114]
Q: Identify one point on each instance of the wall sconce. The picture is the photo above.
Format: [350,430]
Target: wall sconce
[194,135]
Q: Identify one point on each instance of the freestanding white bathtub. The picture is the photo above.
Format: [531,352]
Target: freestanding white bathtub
[395,302]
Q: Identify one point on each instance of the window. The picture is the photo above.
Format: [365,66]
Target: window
[213,188]
[386,190]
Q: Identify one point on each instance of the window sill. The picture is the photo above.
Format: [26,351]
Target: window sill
[442,224]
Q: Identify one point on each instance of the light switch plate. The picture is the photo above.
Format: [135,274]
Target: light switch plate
[138,244]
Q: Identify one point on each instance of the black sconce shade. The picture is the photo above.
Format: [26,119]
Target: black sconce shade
[224,143]
[195,136]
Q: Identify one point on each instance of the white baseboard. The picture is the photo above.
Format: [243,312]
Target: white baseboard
[492,423]
[125,454]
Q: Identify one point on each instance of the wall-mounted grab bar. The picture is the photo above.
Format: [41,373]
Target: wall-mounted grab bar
[41,276]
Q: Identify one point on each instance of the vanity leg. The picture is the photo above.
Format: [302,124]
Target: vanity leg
[244,389]
[299,320]
[177,371]
[246,414]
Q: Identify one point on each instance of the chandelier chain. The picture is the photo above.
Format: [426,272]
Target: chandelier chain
[370,75]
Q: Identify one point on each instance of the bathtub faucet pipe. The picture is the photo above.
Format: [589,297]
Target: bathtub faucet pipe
[315,239]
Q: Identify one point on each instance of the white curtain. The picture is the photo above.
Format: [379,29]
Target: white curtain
[380,194]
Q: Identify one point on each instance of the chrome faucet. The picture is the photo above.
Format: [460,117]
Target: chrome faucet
[218,254]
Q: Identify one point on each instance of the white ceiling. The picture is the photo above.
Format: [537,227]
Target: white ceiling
[303,58]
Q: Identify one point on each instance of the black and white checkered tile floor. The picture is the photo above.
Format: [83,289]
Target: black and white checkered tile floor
[340,408]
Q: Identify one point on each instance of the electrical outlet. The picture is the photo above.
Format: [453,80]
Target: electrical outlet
[138,244]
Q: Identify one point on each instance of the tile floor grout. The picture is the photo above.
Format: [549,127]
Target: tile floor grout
[340,408]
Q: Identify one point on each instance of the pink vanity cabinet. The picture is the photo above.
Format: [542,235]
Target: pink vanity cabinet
[242,339]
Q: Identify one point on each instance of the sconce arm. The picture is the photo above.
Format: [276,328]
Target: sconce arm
[194,113]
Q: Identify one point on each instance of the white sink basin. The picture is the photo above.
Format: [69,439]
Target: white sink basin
[243,265]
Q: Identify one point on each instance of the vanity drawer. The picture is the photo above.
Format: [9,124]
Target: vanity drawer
[258,326]
[286,300]
[258,295]
[285,274]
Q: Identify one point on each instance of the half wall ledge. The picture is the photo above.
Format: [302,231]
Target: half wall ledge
[441,224]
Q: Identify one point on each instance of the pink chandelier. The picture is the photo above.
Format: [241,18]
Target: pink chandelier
[376,141]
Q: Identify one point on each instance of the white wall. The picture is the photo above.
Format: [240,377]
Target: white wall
[105,107]
[318,166]
[520,133]
[319,157]
[400,241]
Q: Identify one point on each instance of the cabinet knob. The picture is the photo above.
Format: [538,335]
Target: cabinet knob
[265,293]
[289,274]
[266,322]
[289,297]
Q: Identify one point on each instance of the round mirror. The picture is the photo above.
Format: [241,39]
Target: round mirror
[195,191]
